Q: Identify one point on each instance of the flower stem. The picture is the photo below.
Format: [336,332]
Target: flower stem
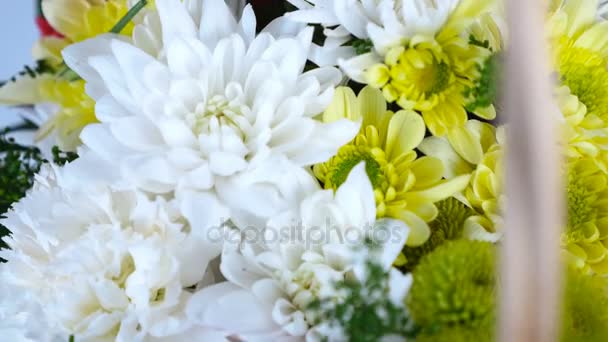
[124,21]
[66,72]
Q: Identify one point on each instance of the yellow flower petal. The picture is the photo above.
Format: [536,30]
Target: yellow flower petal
[485,132]
[466,12]
[419,230]
[488,113]
[440,148]
[443,190]
[480,228]
[405,132]
[423,209]
[23,91]
[343,105]
[371,105]
[595,252]
[580,15]
[466,144]
[428,171]
[49,49]
[377,75]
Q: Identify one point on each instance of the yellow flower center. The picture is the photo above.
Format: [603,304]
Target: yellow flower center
[216,108]
[390,179]
[414,77]
[585,73]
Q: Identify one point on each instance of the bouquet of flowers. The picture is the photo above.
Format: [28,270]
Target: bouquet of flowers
[300,170]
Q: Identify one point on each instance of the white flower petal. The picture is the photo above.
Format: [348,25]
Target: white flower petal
[217,22]
[175,20]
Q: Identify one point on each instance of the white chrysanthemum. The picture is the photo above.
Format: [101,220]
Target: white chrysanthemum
[387,23]
[21,318]
[363,33]
[275,272]
[105,261]
[219,102]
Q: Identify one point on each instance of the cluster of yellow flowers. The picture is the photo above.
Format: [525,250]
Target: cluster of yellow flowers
[75,21]
[428,150]
[449,145]
[579,42]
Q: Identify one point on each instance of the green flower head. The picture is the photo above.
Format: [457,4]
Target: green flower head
[454,286]
[585,310]
[448,225]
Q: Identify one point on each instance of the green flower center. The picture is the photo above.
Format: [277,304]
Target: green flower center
[580,205]
[422,71]
[584,72]
[347,158]
[447,226]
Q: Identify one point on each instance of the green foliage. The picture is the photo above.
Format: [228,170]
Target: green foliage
[447,226]
[485,90]
[455,287]
[41,67]
[18,165]
[362,46]
[365,314]
[474,41]
[61,157]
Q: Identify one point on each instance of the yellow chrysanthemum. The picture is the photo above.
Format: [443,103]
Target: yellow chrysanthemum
[430,74]
[586,235]
[76,110]
[76,20]
[585,135]
[485,193]
[406,186]
[580,54]
[580,51]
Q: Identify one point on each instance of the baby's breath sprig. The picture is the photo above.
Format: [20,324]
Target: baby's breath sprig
[365,313]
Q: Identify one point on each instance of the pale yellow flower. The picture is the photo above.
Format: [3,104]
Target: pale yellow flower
[406,185]
[485,192]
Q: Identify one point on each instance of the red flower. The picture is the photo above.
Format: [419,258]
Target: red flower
[46,29]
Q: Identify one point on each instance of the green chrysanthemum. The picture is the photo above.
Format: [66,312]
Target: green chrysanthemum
[447,226]
[585,312]
[406,186]
[459,334]
[586,234]
[454,286]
